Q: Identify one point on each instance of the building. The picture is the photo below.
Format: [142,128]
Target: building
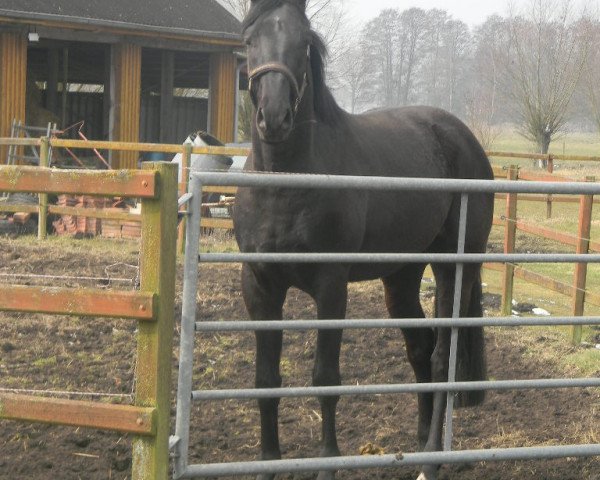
[134,71]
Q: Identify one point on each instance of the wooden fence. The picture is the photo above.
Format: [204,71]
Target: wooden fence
[148,419]
[511,224]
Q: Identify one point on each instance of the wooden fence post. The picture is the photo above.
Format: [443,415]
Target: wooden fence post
[183,187]
[155,339]
[43,197]
[549,196]
[583,244]
[510,231]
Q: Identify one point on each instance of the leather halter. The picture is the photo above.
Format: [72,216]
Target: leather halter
[287,73]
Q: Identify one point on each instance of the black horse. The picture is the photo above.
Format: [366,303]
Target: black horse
[298,127]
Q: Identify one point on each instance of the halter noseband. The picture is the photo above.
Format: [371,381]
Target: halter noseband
[287,73]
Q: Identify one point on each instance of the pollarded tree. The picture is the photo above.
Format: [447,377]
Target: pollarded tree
[547,55]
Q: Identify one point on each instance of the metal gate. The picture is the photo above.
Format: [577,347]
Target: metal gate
[186,395]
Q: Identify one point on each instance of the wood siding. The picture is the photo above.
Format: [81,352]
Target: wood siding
[127,64]
[223,68]
[13,73]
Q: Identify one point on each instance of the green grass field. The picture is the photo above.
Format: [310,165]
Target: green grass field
[572,143]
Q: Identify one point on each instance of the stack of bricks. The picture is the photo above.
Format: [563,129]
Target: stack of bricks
[89,226]
[66,224]
[120,228]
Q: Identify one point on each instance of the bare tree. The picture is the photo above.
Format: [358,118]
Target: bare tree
[457,46]
[379,46]
[431,73]
[547,54]
[351,77]
[591,78]
[490,39]
[412,29]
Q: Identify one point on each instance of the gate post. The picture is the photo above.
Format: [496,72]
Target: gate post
[583,244]
[510,231]
[43,197]
[155,339]
[186,156]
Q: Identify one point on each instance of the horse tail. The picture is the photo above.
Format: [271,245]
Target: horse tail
[471,362]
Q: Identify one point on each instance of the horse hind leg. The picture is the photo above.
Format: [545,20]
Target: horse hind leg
[470,353]
[402,300]
[471,361]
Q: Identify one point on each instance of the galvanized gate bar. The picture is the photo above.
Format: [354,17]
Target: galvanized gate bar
[188,319]
[255,393]
[254,325]
[398,258]
[390,461]
[458,280]
[465,186]
[340,182]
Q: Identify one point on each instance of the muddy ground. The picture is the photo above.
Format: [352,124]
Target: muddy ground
[97,355]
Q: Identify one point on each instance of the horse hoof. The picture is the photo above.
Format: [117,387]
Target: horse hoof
[423,476]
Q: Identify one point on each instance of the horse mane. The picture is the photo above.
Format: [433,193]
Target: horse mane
[325,107]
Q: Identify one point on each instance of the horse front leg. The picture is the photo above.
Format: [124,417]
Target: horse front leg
[331,304]
[264,301]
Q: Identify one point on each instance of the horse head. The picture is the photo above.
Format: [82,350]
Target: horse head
[278,39]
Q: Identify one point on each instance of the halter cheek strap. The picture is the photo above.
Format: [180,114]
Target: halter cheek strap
[286,72]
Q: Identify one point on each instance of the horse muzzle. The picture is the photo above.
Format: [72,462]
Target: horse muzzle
[274,124]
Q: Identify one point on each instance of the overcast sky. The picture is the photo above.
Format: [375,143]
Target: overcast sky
[471,12]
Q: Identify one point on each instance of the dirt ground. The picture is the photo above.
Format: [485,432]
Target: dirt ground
[97,355]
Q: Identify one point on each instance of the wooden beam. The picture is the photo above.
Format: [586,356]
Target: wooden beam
[222,96]
[101,213]
[104,416]
[127,70]
[583,246]
[13,80]
[136,146]
[545,282]
[77,31]
[155,339]
[560,237]
[510,230]
[79,301]
[223,190]
[543,177]
[224,223]
[14,208]
[123,183]
[528,197]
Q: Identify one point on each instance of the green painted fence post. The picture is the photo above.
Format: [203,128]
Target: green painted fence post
[155,339]
[43,197]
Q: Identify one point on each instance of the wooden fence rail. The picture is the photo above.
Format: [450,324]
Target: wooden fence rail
[510,222]
[148,419]
[581,241]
